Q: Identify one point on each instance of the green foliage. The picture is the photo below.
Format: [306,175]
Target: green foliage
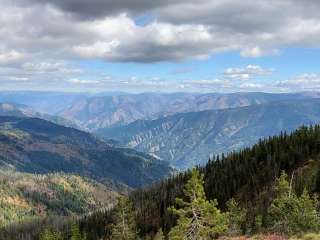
[124,227]
[237,217]
[24,196]
[247,175]
[159,235]
[75,232]
[50,235]
[198,217]
[73,151]
[290,213]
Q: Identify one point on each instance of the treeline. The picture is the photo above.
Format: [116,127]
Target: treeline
[245,183]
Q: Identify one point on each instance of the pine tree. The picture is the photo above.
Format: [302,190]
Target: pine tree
[291,214]
[317,181]
[75,232]
[124,227]
[237,217]
[47,235]
[198,218]
[50,235]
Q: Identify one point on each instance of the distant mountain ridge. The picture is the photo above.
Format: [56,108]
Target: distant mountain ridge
[20,110]
[41,101]
[111,111]
[186,139]
[38,146]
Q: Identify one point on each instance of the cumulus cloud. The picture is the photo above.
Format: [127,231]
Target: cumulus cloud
[255,52]
[303,82]
[124,41]
[10,57]
[252,86]
[18,79]
[49,67]
[180,30]
[51,33]
[82,81]
[246,73]
[94,9]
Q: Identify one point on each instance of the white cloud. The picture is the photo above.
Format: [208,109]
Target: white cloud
[51,35]
[11,57]
[82,81]
[213,82]
[18,79]
[258,52]
[180,30]
[49,67]
[124,41]
[96,50]
[252,86]
[246,73]
[303,82]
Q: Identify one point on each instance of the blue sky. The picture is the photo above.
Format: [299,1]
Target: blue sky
[287,64]
[167,46]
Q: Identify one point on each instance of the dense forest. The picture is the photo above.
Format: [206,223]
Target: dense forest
[256,190]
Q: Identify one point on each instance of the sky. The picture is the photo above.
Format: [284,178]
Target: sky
[160,45]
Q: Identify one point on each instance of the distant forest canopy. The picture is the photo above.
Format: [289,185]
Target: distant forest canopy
[248,176]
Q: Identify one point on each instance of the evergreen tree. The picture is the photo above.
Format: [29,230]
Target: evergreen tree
[50,235]
[291,214]
[124,227]
[317,181]
[75,232]
[237,217]
[198,218]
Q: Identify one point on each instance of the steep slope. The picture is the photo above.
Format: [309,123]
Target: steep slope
[41,101]
[109,111]
[17,110]
[187,139]
[23,196]
[20,110]
[38,146]
[247,176]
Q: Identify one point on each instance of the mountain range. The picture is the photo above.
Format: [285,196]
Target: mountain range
[41,101]
[21,110]
[182,128]
[188,139]
[98,112]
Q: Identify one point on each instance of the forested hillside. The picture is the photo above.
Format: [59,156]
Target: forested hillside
[251,177]
[25,196]
[37,146]
[247,176]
